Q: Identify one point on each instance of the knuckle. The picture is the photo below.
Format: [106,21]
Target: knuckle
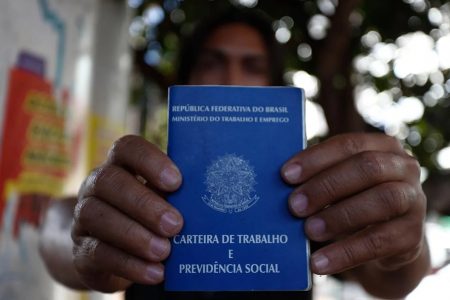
[328,186]
[141,200]
[144,202]
[395,197]
[375,244]
[130,229]
[88,184]
[351,144]
[122,262]
[103,176]
[371,166]
[85,253]
[345,217]
[86,211]
[78,210]
[142,157]
[349,254]
[91,248]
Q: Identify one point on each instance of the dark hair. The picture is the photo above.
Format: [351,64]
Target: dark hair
[192,45]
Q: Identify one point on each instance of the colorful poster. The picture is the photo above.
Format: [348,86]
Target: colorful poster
[34,161]
[34,136]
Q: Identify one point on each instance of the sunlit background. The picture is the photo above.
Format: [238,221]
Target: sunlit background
[390,73]
[400,78]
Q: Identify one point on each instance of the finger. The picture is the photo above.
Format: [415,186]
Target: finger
[379,204]
[349,177]
[324,155]
[118,230]
[103,281]
[94,256]
[375,242]
[143,158]
[123,191]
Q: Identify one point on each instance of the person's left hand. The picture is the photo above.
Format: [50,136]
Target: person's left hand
[361,193]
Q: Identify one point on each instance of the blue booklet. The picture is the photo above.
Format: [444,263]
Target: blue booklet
[230,143]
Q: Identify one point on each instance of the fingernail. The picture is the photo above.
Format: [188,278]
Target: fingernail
[315,227]
[320,262]
[299,203]
[170,223]
[160,247]
[155,273]
[171,177]
[292,173]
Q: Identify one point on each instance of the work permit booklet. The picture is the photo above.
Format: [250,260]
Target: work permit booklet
[230,143]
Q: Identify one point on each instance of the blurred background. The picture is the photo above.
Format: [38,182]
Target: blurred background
[76,75]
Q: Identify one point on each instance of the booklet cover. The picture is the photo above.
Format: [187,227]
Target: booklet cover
[230,143]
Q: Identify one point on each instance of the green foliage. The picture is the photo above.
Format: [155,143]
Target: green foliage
[389,19]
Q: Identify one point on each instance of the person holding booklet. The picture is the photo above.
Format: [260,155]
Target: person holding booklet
[360,194]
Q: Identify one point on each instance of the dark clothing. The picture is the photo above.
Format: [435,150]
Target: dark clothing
[143,292]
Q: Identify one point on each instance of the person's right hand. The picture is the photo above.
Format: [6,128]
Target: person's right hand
[122,223]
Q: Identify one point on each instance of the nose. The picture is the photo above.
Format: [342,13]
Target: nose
[235,74]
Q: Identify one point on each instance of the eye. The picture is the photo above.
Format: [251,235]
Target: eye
[256,65]
[208,60]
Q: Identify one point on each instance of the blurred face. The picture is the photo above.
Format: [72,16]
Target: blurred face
[234,54]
